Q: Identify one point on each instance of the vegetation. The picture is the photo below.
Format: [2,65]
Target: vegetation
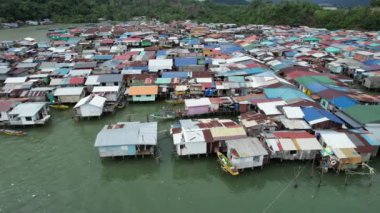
[257,12]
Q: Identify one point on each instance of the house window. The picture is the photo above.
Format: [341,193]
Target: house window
[116,84]
[138,95]
[256,159]
[28,118]
[293,152]
[182,146]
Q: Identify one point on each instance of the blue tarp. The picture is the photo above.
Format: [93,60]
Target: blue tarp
[313,114]
[175,74]
[343,102]
[183,62]
[285,94]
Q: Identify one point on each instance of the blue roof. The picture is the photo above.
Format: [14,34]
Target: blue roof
[281,66]
[250,71]
[230,48]
[285,93]
[372,62]
[62,71]
[175,75]
[290,53]
[103,57]
[191,41]
[161,53]
[371,139]
[182,62]
[316,87]
[343,102]
[312,114]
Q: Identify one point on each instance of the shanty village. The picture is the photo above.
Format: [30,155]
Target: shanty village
[225,102]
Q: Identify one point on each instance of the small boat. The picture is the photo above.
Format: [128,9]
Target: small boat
[164,114]
[10,132]
[59,106]
[227,165]
[175,102]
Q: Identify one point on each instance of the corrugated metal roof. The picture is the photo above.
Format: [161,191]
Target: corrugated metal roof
[247,147]
[127,133]
[27,109]
[68,91]
[222,133]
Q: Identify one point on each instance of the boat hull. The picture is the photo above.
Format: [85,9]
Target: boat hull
[226,164]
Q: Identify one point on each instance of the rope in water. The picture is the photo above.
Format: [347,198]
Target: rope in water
[283,190]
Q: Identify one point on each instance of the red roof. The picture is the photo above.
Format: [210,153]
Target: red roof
[298,73]
[293,134]
[76,81]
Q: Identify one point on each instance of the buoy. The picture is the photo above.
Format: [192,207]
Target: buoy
[333,162]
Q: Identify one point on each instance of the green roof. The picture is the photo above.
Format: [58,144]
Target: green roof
[311,39]
[163,80]
[364,113]
[332,50]
[307,80]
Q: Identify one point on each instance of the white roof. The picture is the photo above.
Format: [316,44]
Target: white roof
[238,59]
[287,144]
[364,53]
[308,144]
[272,144]
[105,89]
[80,72]
[194,136]
[318,55]
[27,109]
[160,64]
[181,88]
[270,108]
[68,91]
[197,102]
[96,100]
[204,80]
[293,112]
[336,140]
[92,80]
[15,80]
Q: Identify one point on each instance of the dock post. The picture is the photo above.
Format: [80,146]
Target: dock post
[320,178]
[346,179]
[312,167]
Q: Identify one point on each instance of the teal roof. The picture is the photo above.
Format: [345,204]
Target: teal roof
[332,50]
[285,94]
[163,80]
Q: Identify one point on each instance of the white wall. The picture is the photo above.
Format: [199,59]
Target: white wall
[4,116]
[90,110]
[192,148]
